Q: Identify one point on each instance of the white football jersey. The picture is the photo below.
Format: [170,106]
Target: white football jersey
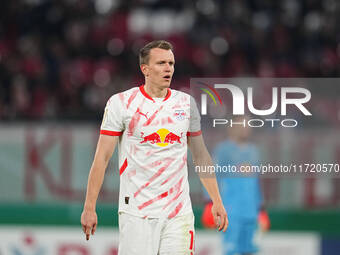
[152,150]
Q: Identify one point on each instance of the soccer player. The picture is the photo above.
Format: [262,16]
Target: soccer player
[153,126]
[241,193]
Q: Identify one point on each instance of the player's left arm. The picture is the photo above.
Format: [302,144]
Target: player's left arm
[201,158]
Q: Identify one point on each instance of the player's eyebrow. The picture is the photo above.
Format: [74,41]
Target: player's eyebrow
[164,61]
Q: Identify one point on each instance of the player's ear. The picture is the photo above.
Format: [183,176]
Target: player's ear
[145,70]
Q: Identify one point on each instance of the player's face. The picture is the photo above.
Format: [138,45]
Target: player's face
[160,68]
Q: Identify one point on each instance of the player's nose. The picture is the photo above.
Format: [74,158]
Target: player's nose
[167,68]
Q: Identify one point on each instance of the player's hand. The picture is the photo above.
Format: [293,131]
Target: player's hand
[89,222]
[220,216]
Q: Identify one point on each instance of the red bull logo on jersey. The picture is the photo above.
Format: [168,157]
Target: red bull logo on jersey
[180,114]
[162,137]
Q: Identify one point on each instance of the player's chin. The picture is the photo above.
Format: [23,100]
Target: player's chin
[166,83]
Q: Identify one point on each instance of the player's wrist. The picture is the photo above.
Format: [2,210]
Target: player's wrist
[89,208]
[217,200]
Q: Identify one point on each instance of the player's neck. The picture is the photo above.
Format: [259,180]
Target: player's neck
[154,91]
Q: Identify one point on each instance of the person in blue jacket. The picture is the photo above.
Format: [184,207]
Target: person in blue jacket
[241,192]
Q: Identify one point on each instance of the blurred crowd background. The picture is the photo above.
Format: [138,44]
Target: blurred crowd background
[62,59]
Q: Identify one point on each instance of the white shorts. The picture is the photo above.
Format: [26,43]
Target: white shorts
[156,236]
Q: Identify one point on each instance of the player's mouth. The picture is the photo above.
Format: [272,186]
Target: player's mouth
[167,77]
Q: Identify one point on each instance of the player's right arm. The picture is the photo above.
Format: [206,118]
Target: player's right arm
[105,148]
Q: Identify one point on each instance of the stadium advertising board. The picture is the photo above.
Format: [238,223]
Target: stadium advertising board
[70,241]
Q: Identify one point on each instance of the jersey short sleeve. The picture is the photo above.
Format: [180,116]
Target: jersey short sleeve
[195,119]
[113,119]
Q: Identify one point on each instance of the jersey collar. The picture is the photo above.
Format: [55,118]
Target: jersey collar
[142,90]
